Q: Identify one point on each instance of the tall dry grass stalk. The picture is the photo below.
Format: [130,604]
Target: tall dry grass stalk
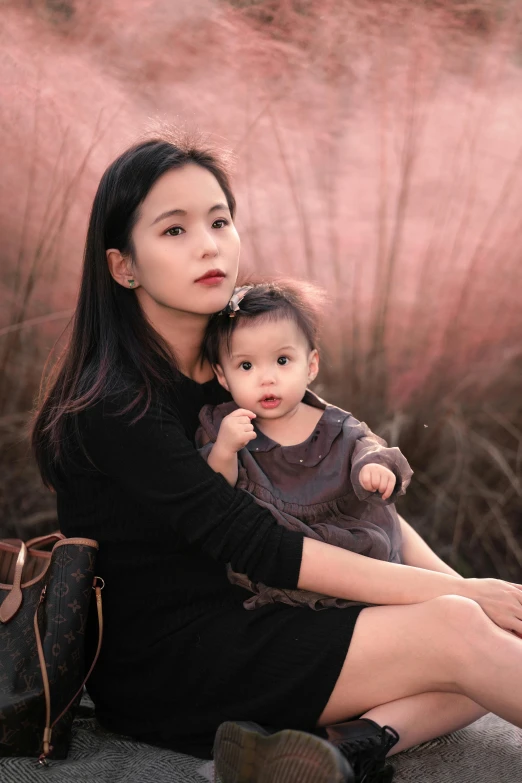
[438,369]
[25,340]
[379,150]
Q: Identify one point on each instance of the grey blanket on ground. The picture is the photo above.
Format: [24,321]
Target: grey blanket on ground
[489,751]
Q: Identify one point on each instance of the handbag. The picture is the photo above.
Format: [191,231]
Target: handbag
[44,604]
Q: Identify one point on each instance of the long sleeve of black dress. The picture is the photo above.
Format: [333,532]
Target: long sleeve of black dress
[155,464]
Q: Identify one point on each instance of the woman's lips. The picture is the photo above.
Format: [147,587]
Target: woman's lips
[213,277]
[270,402]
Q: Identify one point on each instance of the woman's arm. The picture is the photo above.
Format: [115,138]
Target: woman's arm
[338,572]
[416,552]
[332,571]
[154,465]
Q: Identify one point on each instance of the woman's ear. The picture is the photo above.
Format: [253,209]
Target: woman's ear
[313,365]
[220,375]
[121,269]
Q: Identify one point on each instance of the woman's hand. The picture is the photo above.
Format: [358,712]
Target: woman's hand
[377,478]
[235,431]
[501,601]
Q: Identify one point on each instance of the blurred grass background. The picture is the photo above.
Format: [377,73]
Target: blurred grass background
[379,150]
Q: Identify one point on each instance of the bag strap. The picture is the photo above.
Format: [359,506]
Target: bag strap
[13,602]
[47,747]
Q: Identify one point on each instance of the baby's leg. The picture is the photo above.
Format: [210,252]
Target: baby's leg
[425,716]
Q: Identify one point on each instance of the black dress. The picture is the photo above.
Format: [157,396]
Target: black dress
[180,653]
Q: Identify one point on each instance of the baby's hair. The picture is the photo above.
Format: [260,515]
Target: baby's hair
[267,301]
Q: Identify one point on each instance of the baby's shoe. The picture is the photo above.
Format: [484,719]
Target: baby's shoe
[365,744]
[248,753]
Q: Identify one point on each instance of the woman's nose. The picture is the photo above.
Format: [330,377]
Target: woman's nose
[209,248]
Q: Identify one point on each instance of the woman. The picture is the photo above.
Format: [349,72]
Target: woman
[114,438]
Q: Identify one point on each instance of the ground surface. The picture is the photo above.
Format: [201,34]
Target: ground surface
[489,751]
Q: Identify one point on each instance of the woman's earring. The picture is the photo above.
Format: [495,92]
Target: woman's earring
[131,283]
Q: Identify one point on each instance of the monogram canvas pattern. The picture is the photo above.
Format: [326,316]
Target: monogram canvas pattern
[62,617]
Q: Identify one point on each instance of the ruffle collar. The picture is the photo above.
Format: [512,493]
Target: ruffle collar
[318,444]
[308,453]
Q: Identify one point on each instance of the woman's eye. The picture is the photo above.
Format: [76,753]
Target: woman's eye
[283,360]
[246,366]
[221,220]
[174,228]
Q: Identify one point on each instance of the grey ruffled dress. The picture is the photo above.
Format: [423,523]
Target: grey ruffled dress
[314,487]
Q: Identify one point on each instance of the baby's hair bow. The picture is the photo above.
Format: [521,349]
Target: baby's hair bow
[233,306]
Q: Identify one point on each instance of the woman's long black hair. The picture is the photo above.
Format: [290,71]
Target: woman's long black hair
[112,348]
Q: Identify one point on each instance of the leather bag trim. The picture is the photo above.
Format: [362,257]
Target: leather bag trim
[46,555]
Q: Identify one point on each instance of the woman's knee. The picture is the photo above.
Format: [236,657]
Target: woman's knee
[462,629]
[459,614]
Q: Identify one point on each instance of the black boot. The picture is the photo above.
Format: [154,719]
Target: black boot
[248,753]
[365,744]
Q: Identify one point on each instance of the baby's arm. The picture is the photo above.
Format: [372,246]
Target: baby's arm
[377,468]
[235,432]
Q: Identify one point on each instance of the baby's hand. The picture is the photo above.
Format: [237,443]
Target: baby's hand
[377,478]
[236,431]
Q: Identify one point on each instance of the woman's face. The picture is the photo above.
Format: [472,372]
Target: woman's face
[186,245]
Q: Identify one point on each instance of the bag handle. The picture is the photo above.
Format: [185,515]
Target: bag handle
[13,602]
[47,747]
[36,543]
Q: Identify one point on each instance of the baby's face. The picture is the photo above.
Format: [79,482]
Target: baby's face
[269,366]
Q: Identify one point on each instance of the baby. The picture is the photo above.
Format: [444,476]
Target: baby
[317,468]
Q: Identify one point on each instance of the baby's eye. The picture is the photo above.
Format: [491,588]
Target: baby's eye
[174,228]
[246,365]
[221,220]
[283,360]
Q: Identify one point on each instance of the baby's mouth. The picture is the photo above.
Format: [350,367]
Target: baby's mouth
[269,401]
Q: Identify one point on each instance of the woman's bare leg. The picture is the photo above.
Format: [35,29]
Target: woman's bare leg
[446,645]
[425,716]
